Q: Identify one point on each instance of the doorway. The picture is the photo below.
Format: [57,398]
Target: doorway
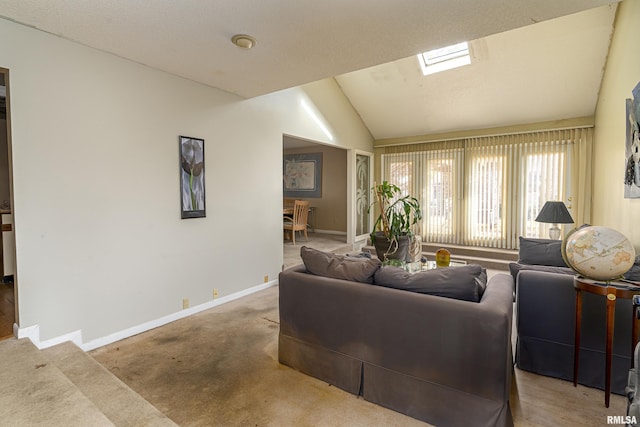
[8,300]
[327,222]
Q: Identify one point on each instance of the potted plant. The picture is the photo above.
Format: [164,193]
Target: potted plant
[392,233]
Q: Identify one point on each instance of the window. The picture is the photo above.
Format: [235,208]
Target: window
[485,185]
[444,58]
[486,191]
[544,181]
[432,177]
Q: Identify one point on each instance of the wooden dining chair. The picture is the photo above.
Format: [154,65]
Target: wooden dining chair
[288,203]
[297,222]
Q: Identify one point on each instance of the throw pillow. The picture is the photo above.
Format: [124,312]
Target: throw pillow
[541,252]
[464,283]
[515,268]
[339,266]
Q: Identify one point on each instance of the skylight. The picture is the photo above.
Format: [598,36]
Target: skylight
[444,58]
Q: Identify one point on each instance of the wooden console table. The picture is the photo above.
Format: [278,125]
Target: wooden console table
[612,291]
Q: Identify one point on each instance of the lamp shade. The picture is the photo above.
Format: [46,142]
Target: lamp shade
[554,213]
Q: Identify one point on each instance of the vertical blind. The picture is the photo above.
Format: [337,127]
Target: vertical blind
[487,191]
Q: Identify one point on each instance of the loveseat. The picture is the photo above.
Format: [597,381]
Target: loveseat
[545,320]
[440,359]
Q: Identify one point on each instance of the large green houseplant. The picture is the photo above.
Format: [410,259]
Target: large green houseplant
[392,233]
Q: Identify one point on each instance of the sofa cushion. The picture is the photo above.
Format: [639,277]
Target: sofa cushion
[634,273]
[357,269]
[541,252]
[515,268]
[465,283]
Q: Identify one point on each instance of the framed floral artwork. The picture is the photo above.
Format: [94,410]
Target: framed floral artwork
[192,196]
[302,175]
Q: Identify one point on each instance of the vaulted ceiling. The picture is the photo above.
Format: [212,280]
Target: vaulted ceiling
[548,71]
[527,65]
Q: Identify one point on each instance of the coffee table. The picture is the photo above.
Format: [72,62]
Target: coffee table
[415,267]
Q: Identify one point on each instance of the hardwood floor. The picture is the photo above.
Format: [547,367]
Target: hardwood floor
[7,310]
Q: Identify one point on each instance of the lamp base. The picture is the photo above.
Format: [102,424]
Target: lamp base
[554,232]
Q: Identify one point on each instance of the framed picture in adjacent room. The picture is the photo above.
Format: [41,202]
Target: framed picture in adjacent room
[302,175]
[192,195]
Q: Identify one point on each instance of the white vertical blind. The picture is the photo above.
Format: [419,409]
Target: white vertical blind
[487,191]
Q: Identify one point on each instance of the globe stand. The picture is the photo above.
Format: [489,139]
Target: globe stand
[554,232]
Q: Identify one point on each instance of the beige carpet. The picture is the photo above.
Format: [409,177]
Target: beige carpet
[220,368]
[34,392]
[117,402]
[64,386]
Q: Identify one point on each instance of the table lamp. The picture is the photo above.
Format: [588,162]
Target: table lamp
[554,213]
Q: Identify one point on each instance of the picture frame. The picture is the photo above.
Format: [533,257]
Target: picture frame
[632,147]
[302,175]
[192,172]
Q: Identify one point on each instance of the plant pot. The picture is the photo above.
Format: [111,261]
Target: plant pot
[383,245]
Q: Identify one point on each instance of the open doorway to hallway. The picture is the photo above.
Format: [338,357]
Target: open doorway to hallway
[7,244]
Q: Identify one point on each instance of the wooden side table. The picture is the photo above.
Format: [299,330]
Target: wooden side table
[612,291]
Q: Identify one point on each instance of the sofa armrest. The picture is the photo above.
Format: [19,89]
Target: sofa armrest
[458,344]
[545,306]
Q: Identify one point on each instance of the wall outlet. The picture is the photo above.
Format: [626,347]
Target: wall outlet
[266,279]
[215,293]
[185,303]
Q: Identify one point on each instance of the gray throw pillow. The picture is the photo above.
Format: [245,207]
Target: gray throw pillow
[464,283]
[515,268]
[541,252]
[339,266]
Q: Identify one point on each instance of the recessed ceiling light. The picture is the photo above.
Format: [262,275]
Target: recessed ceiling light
[244,41]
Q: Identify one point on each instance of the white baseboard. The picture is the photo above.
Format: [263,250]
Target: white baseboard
[339,233]
[33,332]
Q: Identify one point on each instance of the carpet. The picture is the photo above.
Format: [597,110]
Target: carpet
[220,368]
[34,392]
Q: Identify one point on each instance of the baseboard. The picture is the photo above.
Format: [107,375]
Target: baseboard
[33,332]
[339,233]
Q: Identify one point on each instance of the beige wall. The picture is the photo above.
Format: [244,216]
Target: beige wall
[622,74]
[331,208]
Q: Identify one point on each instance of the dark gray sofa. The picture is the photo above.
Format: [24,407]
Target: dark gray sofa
[545,320]
[441,360]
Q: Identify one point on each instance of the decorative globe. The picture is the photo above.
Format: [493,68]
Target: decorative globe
[599,253]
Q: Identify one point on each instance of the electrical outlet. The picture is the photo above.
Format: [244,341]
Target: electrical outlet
[185,303]
[215,293]
[266,279]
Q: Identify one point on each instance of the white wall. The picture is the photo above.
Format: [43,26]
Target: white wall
[100,243]
[622,74]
